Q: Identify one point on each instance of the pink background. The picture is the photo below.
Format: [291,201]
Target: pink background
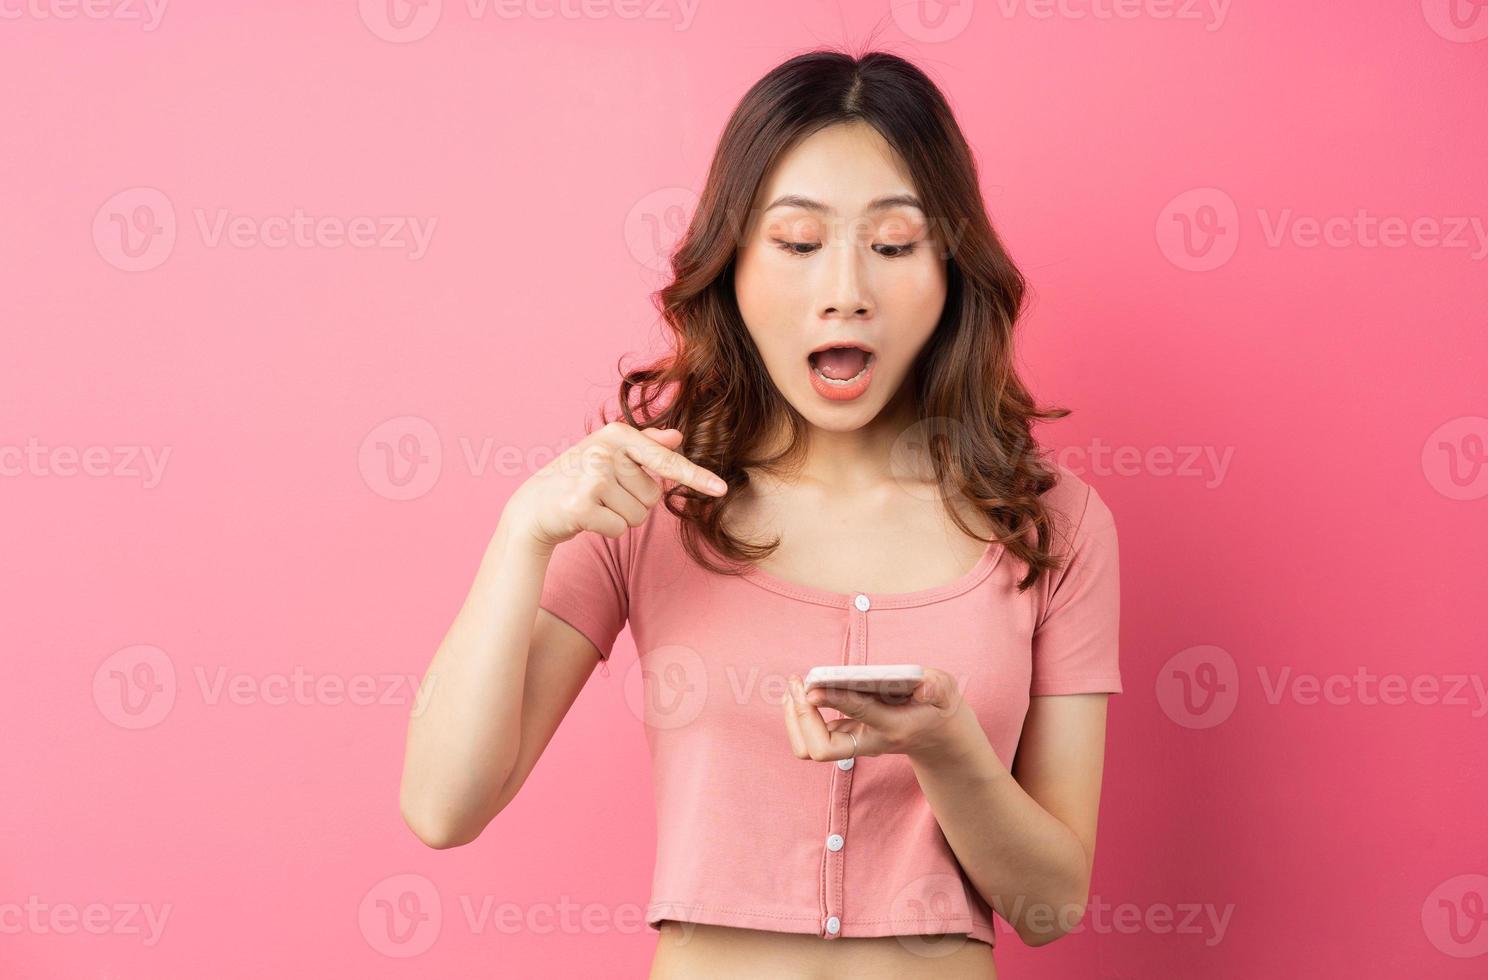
[1343,383]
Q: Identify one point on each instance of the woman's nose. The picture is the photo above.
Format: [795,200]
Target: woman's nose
[844,290]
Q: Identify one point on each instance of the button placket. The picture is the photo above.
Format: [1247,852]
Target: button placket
[835,846]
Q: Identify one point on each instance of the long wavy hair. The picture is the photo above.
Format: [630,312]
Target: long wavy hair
[713,384]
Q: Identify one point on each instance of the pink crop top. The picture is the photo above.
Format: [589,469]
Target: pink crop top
[747,834]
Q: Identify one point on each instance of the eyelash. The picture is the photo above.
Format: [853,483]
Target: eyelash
[790,249]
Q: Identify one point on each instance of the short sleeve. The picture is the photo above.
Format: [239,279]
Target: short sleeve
[585,586]
[1076,638]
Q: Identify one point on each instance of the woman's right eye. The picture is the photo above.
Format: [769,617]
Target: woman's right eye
[793,248]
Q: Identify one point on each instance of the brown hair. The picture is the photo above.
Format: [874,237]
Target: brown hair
[722,397]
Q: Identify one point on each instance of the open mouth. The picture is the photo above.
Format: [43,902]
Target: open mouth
[840,366]
[842,373]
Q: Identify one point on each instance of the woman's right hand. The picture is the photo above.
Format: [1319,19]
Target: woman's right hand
[598,484]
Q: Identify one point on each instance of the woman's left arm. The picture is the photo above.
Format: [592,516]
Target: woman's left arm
[1025,838]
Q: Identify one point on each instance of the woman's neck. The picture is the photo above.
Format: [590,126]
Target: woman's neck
[856,461]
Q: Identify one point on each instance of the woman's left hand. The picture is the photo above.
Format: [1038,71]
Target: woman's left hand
[934,721]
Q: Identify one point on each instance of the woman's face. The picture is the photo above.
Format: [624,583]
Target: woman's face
[837,251]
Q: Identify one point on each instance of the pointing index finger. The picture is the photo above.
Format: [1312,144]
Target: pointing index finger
[662,460]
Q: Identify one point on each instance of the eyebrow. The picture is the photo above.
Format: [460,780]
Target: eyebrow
[877,204]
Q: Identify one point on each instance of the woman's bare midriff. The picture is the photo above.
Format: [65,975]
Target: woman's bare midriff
[688,950]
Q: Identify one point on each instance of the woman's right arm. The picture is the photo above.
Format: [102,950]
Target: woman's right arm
[463,743]
[507,671]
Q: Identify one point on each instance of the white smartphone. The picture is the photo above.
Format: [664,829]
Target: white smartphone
[893,680]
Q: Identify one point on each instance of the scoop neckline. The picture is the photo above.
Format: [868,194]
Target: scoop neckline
[881,600]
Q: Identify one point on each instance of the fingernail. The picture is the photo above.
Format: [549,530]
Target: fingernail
[718,485]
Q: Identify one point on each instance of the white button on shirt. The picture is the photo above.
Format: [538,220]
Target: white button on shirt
[861,601]
[834,924]
[835,842]
[845,763]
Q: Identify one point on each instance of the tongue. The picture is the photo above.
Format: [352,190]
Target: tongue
[840,363]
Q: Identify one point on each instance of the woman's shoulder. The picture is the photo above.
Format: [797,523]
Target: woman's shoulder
[1075,506]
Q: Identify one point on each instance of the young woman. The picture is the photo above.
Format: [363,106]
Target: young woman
[844,460]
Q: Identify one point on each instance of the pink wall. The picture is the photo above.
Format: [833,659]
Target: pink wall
[1256,234]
